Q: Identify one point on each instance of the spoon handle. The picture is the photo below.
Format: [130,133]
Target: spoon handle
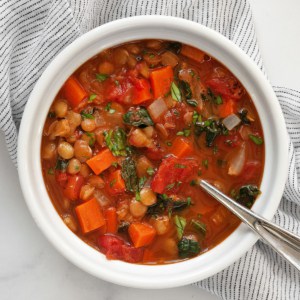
[282,241]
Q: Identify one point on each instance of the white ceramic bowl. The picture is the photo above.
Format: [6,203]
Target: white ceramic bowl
[93,42]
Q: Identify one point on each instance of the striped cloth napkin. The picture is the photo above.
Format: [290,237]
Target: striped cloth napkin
[33,32]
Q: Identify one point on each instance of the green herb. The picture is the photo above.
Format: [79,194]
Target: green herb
[92,97]
[180,166]
[243,116]
[50,171]
[199,173]
[211,97]
[196,117]
[109,109]
[212,129]
[170,186]
[180,223]
[61,164]
[129,175]
[164,196]
[193,182]
[199,226]
[86,115]
[185,132]
[228,142]
[233,193]
[138,117]
[151,55]
[186,89]
[179,183]
[203,97]
[116,141]
[113,182]
[192,102]
[174,47]
[150,171]
[188,247]
[107,106]
[176,113]
[169,144]
[101,77]
[192,73]
[189,201]
[117,83]
[166,204]
[142,181]
[205,163]
[137,196]
[256,139]
[247,194]
[215,149]
[51,114]
[115,164]
[175,92]
[92,138]
[218,100]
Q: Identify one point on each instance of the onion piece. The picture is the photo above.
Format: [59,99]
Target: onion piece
[231,121]
[157,109]
[237,162]
[244,132]
[103,200]
[162,130]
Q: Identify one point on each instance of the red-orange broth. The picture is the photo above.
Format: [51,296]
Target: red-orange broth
[128,136]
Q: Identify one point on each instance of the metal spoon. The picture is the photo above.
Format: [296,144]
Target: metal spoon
[282,241]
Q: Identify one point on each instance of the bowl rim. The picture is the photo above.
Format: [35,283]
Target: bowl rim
[145,276]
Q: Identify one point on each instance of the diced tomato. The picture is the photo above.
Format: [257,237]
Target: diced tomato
[155,153]
[141,92]
[115,248]
[171,171]
[228,87]
[73,187]
[111,246]
[131,254]
[118,90]
[61,178]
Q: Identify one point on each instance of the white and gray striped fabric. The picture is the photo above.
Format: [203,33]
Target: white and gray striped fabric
[32,32]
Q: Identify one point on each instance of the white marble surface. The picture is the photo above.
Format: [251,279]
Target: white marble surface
[30,268]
